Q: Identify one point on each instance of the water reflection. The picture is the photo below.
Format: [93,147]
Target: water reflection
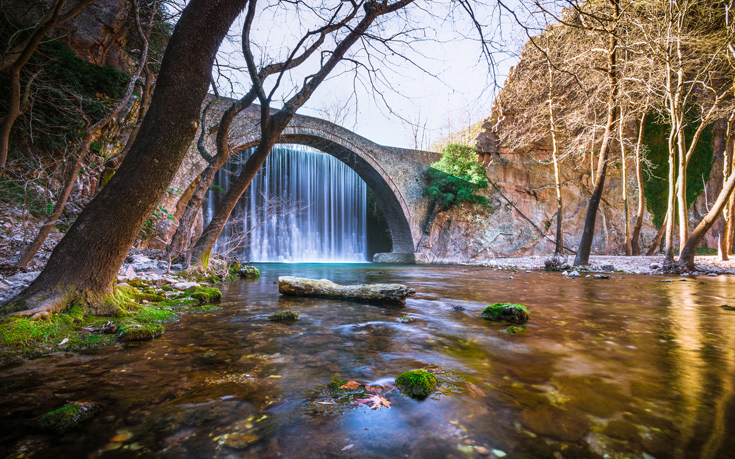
[617,367]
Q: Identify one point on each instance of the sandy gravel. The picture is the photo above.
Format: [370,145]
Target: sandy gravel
[637,265]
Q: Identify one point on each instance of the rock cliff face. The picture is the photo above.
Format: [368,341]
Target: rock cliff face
[522,220]
[99,34]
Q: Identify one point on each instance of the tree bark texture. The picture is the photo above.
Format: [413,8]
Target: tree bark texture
[588,233]
[635,244]
[84,265]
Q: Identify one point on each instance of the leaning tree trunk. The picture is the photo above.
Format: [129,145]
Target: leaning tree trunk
[180,240]
[203,247]
[635,244]
[686,259]
[83,266]
[588,233]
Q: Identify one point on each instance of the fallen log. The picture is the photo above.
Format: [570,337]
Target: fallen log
[381,294]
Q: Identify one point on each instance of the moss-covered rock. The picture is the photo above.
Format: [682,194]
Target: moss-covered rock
[505,311]
[284,316]
[141,332]
[416,383]
[150,297]
[66,417]
[205,294]
[249,272]
[513,330]
[336,383]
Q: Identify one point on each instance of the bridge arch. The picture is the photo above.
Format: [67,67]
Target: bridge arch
[366,158]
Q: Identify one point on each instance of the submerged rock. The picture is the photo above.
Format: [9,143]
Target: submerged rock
[506,311]
[382,294]
[204,294]
[416,383]
[66,417]
[142,332]
[284,316]
[249,272]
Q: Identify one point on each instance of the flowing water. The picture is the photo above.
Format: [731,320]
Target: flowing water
[628,367]
[302,206]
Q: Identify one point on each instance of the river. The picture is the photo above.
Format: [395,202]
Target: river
[623,367]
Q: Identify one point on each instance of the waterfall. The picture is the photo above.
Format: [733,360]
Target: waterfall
[302,206]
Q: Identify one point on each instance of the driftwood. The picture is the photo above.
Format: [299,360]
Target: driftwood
[382,294]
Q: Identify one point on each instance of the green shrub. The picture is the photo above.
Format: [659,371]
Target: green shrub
[456,177]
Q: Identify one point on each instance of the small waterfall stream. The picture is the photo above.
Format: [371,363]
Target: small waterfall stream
[302,206]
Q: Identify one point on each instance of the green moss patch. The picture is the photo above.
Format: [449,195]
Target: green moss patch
[249,272]
[513,330]
[336,383]
[506,311]
[201,309]
[284,316]
[140,332]
[204,294]
[416,383]
[66,417]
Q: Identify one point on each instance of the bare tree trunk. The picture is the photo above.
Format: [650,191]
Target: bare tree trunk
[725,240]
[559,246]
[588,233]
[686,259]
[635,238]
[273,126]
[626,208]
[92,134]
[655,245]
[84,265]
[671,201]
[28,48]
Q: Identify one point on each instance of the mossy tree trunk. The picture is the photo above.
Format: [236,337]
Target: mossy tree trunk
[84,265]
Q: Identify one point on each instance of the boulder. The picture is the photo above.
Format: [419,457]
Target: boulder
[395,258]
[505,311]
[382,294]
[186,285]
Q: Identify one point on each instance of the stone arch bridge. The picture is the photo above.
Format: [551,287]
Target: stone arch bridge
[393,174]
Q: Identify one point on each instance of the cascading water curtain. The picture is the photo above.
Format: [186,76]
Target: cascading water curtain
[302,206]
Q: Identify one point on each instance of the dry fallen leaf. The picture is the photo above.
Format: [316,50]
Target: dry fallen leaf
[376,400]
[475,391]
[352,385]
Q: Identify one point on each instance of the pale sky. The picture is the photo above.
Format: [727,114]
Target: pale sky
[447,87]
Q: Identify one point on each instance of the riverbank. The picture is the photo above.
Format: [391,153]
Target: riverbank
[631,265]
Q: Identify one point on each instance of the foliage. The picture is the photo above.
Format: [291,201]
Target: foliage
[456,177]
[64,91]
[655,185]
[416,383]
